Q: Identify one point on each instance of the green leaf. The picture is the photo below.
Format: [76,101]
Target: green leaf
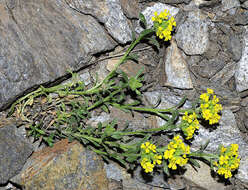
[118,158]
[104,107]
[116,136]
[194,163]
[133,36]
[166,169]
[134,83]
[132,158]
[143,20]
[154,42]
[146,32]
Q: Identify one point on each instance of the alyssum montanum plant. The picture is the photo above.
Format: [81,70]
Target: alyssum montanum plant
[75,102]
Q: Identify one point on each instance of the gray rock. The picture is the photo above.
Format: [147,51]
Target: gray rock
[225,74]
[202,177]
[228,4]
[208,68]
[192,35]
[14,153]
[176,69]
[130,8]
[135,182]
[176,1]
[241,75]
[40,41]
[149,13]
[241,17]
[113,172]
[243,168]
[85,77]
[245,5]
[226,133]
[109,13]
[235,47]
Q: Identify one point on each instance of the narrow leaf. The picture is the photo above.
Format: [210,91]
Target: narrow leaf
[143,20]
[154,42]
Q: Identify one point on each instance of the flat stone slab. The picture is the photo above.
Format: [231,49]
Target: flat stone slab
[108,12]
[14,153]
[40,40]
[63,166]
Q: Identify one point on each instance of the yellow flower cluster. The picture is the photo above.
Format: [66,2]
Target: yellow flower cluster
[163,24]
[189,124]
[149,158]
[210,107]
[147,147]
[228,160]
[176,153]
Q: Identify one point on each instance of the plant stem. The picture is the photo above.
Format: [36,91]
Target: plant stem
[133,44]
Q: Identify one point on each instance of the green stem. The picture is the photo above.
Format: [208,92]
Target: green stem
[206,156]
[108,98]
[133,44]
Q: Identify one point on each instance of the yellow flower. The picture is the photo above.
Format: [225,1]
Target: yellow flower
[163,24]
[176,153]
[146,147]
[157,159]
[189,124]
[147,165]
[210,107]
[210,91]
[228,160]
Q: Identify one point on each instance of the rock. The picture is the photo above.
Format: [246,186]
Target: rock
[14,152]
[226,133]
[130,67]
[167,100]
[235,47]
[149,13]
[176,69]
[40,41]
[117,173]
[85,77]
[229,4]
[64,166]
[95,119]
[241,74]
[202,177]
[208,68]
[245,5]
[192,35]
[241,17]
[130,8]
[136,121]
[243,168]
[225,74]
[176,1]
[209,4]
[109,13]
[212,51]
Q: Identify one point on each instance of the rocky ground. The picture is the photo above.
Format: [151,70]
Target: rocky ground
[41,40]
